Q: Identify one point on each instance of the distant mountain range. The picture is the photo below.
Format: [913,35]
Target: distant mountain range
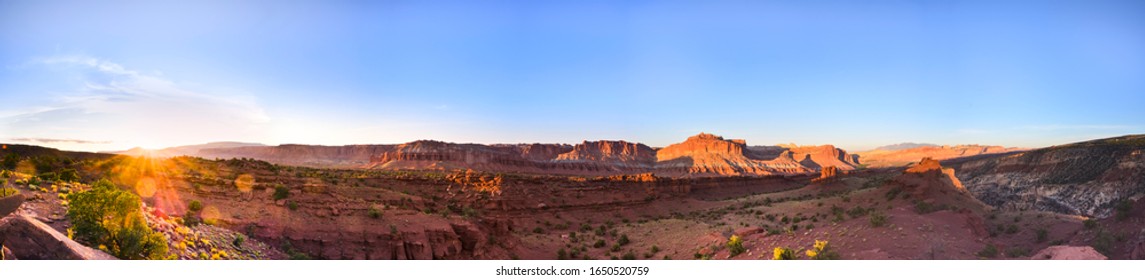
[190,150]
[903,146]
[701,155]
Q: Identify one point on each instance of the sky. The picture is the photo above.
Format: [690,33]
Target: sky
[111,75]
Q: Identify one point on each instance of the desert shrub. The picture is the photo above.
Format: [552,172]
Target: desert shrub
[1103,242]
[781,253]
[623,240]
[4,192]
[194,206]
[655,249]
[292,205]
[69,175]
[735,245]
[1090,223]
[599,244]
[10,161]
[538,230]
[893,193]
[1017,252]
[112,218]
[562,255]
[878,219]
[1042,235]
[923,207]
[856,212]
[281,192]
[469,212]
[773,231]
[374,213]
[989,252]
[615,247]
[629,256]
[293,253]
[1012,229]
[239,240]
[1123,208]
[191,219]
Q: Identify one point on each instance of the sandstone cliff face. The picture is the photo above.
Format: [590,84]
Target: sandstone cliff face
[303,155]
[886,158]
[589,158]
[711,155]
[621,154]
[823,156]
[700,155]
[28,239]
[927,181]
[1085,178]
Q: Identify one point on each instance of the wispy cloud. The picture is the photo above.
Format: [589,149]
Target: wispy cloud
[114,102]
[52,141]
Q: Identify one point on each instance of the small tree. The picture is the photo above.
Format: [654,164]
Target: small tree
[281,192]
[113,219]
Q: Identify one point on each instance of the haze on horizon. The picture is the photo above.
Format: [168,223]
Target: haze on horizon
[80,75]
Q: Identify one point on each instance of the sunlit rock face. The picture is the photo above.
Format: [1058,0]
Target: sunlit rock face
[700,155]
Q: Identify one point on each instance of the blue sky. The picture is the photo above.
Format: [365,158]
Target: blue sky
[110,75]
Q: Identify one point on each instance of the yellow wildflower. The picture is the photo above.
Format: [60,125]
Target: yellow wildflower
[820,245]
[811,253]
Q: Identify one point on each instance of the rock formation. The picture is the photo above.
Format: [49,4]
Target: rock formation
[1061,252]
[901,157]
[28,239]
[1085,178]
[699,155]
[711,155]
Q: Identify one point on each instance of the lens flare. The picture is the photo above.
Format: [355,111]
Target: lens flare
[245,183]
[145,187]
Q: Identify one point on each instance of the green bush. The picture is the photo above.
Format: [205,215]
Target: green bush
[239,240]
[195,206]
[1090,223]
[292,205]
[989,252]
[1017,252]
[562,255]
[5,192]
[1042,235]
[111,218]
[623,240]
[878,219]
[1012,229]
[1123,208]
[374,213]
[599,244]
[629,256]
[281,192]
[69,175]
[191,219]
